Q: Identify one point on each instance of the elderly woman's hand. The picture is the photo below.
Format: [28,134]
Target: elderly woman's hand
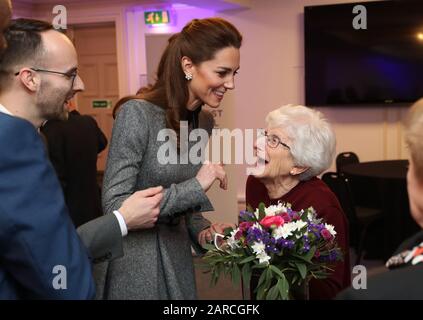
[207,235]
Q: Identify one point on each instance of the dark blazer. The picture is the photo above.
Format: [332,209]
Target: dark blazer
[36,233]
[403,283]
[73,146]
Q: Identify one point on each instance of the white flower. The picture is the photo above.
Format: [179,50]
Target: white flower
[299,224]
[288,228]
[256,213]
[257,226]
[263,257]
[258,247]
[284,231]
[275,209]
[331,229]
[272,210]
[231,240]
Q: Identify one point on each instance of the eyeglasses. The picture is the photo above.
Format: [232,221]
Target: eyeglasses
[272,140]
[71,75]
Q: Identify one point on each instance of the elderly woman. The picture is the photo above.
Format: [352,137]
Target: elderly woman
[299,145]
[405,280]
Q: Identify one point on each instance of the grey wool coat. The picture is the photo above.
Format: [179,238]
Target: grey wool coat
[157,262]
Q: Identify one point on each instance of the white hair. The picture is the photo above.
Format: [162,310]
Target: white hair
[313,141]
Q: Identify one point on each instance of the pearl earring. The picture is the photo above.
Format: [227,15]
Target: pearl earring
[292,172]
[188,76]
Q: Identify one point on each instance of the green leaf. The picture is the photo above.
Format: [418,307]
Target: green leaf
[276,270]
[272,294]
[302,269]
[236,275]
[268,280]
[227,231]
[294,279]
[303,258]
[250,258]
[264,284]
[262,212]
[310,254]
[283,287]
[262,279]
[261,292]
[268,274]
[246,275]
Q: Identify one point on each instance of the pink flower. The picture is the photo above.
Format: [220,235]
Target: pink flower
[295,216]
[326,234]
[317,254]
[270,221]
[244,226]
[286,217]
[238,235]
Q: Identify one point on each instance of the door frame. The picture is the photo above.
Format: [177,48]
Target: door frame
[118,18]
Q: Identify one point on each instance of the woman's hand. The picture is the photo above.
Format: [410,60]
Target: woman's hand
[209,172]
[207,235]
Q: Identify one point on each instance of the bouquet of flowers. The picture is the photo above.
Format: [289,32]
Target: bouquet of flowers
[286,248]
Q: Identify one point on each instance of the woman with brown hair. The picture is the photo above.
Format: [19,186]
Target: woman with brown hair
[197,67]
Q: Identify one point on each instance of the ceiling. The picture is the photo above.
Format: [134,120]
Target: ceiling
[218,5]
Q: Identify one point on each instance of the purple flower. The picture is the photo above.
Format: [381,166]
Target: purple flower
[254,235]
[333,256]
[270,243]
[245,215]
[306,244]
[289,244]
[295,216]
[315,229]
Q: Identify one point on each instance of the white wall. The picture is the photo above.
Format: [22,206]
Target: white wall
[272,74]
[137,30]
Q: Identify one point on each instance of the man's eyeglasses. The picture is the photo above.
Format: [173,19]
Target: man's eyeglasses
[71,75]
[273,141]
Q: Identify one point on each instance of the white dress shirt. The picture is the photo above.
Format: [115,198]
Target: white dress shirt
[4,110]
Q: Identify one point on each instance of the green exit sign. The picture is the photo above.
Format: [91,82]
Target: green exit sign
[101,103]
[156,17]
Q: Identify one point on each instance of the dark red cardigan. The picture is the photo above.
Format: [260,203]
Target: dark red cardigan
[315,193]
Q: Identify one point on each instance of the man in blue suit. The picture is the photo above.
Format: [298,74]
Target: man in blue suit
[41,255]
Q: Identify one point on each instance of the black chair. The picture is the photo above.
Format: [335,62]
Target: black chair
[345,158]
[359,218]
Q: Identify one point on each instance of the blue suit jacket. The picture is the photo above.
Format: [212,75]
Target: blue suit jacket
[36,233]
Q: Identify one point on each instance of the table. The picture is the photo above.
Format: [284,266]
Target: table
[383,185]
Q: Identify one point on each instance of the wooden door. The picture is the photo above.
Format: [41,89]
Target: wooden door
[96,47]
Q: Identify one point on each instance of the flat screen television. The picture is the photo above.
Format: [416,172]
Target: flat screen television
[380,65]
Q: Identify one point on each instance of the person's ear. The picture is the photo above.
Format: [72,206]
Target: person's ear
[29,79]
[298,170]
[187,67]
